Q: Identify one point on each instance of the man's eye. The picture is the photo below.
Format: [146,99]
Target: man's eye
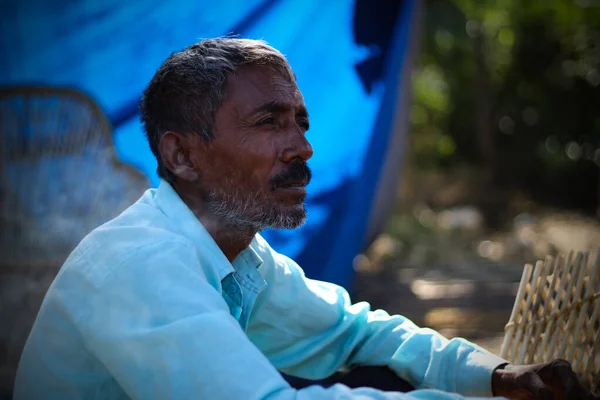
[304,124]
[267,121]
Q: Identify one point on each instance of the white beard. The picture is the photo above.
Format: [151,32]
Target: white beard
[250,211]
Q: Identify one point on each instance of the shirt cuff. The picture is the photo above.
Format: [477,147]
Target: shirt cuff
[474,378]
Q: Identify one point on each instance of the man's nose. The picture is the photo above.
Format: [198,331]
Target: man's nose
[297,148]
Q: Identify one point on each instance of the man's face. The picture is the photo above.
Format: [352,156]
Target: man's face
[254,171]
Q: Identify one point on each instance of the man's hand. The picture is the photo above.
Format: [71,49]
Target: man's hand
[550,381]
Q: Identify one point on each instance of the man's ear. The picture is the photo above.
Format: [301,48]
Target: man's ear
[175,150]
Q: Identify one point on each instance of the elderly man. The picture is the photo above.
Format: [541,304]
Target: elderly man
[179,297]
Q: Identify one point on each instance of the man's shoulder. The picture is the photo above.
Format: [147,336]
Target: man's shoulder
[139,232]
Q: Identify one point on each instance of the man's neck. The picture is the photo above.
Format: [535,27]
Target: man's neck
[232,240]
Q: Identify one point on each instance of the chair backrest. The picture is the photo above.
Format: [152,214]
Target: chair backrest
[59,179]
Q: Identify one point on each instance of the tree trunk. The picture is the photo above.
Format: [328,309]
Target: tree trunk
[483,110]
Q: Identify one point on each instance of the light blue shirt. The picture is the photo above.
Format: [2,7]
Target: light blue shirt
[148,307]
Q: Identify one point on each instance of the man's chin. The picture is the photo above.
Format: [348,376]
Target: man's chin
[288,225]
[291,218]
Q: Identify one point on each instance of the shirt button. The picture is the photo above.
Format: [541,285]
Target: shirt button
[233,289]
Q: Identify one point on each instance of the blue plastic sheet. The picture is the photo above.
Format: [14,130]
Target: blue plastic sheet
[349,78]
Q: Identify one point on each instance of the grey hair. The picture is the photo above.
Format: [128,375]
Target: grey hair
[190,86]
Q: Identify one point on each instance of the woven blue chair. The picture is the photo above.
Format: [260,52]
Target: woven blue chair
[59,179]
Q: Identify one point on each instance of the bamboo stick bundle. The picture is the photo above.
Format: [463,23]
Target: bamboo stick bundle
[556,314]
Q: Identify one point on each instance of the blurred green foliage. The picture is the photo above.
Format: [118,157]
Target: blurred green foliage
[512,87]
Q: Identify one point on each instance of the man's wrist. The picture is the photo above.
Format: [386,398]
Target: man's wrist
[496,376]
[475,372]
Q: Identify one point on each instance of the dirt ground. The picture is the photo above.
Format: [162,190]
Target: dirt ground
[453,253]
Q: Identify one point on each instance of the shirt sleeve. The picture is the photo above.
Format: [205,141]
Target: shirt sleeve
[163,332]
[310,329]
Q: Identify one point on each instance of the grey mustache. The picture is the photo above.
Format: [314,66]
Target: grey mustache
[298,171]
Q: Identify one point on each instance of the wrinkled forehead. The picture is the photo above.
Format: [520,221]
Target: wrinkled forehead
[252,86]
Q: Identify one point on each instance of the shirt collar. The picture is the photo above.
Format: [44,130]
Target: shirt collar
[249,256]
[169,202]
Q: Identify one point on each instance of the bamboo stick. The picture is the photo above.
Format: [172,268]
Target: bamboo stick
[540,328]
[530,308]
[513,316]
[518,356]
[578,269]
[563,305]
[535,329]
[593,362]
[583,315]
[561,269]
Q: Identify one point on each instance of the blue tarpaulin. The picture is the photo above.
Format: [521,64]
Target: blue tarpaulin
[348,56]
